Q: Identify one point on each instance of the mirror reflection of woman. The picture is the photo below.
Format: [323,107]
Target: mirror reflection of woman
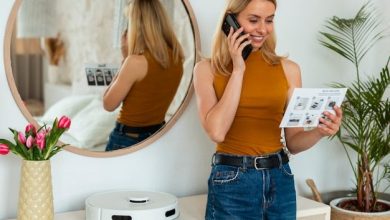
[148,78]
[241,104]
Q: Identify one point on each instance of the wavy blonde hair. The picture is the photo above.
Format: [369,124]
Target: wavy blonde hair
[220,56]
[150,29]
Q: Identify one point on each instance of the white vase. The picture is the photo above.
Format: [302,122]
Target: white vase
[53,74]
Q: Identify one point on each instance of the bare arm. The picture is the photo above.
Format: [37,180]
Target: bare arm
[217,115]
[133,69]
[297,139]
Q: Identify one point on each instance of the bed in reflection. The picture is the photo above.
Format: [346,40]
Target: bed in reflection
[91,124]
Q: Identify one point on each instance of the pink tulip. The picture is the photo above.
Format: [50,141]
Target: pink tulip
[4,149]
[30,128]
[64,122]
[41,135]
[30,142]
[41,144]
[21,138]
[41,140]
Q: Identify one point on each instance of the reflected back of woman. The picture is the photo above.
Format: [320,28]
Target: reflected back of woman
[148,78]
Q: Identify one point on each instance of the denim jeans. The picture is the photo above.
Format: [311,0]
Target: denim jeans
[118,139]
[237,193]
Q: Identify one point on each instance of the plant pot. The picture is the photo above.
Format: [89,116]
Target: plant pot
[329,196]
[35,193]
[338,213]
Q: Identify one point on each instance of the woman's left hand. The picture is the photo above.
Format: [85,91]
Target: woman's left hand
[331,125]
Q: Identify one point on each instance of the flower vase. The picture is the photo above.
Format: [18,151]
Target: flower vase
[35,193]
[53,74]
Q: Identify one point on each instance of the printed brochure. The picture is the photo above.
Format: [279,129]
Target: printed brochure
[100,74]
[307,105]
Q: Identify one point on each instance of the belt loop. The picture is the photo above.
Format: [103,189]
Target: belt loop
[213,160]
[244,162]
[280,160]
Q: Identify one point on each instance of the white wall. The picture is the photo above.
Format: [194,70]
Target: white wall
[179,162]
[297,25]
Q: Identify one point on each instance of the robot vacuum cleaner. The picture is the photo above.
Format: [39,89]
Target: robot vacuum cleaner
[131,205]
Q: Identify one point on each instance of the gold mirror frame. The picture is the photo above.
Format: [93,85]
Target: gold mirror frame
[84,152]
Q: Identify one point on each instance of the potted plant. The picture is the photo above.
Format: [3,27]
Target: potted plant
[36,147]
[366,112]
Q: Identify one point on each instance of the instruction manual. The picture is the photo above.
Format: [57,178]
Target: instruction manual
[307,105]
[100,74]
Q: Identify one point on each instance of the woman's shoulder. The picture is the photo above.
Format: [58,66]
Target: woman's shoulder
[203,69]
[203,66]
[137,65]
[289,64]
[292,71]
[136,60]
[203,63]
[290,67]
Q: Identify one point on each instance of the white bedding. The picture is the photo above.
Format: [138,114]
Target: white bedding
[68,139]
[91,124]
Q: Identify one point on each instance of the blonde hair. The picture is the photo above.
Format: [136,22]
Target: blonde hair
[150,29]
[220,56]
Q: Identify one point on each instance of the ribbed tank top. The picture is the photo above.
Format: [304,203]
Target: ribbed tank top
[148,100]
[255,128]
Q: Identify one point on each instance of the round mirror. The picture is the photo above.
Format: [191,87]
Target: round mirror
[60,57]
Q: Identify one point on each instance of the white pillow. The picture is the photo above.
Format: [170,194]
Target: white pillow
[68,106]
[92,125]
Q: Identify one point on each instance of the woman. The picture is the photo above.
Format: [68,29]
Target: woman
[148,78]
[241,104]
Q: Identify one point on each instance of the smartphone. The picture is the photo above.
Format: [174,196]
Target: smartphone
[231,21]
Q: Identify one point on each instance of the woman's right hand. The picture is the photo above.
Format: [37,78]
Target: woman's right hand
[236,44]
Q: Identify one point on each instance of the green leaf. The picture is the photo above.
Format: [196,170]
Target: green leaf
[366,113]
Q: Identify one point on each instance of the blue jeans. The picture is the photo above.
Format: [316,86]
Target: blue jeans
[237,193]
[119,139]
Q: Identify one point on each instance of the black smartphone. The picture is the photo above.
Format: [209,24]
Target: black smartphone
[231,21]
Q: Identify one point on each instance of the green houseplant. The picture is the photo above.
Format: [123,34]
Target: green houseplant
[366,112]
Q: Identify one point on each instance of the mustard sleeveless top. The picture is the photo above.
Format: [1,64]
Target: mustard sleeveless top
[255,128]
[148,100]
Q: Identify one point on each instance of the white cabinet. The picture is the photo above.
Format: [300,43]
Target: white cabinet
[193,208]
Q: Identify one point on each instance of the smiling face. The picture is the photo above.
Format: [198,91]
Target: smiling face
[257,20]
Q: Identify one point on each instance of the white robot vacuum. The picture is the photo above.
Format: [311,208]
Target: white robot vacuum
[131,205]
